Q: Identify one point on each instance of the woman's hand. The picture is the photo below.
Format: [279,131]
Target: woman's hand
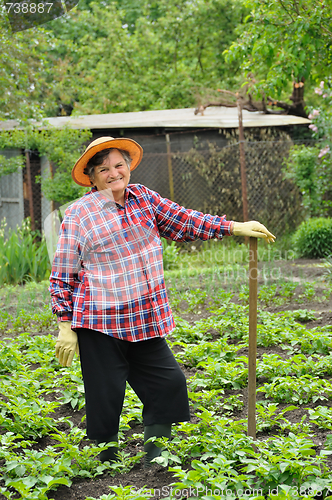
[253,229]
[66,344]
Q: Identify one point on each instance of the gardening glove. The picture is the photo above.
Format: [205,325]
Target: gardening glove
[66,344]
[254,229]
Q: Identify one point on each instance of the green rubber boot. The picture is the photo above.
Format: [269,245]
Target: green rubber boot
[153,451]
[110,453]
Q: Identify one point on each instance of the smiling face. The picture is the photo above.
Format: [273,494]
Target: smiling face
[112,176]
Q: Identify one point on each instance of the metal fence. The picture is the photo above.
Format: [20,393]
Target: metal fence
[209,180]
[205,177]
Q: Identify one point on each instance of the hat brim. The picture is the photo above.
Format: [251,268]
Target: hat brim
[134,149]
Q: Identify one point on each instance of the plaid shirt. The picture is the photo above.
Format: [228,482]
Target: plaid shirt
[107,273]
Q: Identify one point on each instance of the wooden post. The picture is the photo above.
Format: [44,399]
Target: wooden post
[252,338]
[32,216]
[52,175]
[170,168]
[242,162]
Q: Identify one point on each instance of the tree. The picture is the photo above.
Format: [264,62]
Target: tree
[119,56]
[171,52]
[281,42]
[310,167]
[21,66]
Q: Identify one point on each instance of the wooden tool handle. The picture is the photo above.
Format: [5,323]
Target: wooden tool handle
[252,338]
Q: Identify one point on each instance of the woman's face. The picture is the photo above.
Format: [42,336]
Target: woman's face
[112,176]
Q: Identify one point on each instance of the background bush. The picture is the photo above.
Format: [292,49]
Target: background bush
[313,238]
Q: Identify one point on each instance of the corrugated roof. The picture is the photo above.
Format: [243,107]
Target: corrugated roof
[213,117]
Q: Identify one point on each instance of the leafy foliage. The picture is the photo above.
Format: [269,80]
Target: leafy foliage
[22,256]
[170,255]
[157,55]
[302,168]
[283,41]
[62,148]
[10,165]
[310,167]
[23,66]
[313,239]
[212,453]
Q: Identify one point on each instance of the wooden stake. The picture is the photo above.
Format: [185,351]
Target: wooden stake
[170,168]
[252,338]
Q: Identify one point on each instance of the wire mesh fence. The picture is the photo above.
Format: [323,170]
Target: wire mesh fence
[209,180]
[205,176]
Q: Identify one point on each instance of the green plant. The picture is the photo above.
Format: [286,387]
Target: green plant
[328,266]
[308,292]
[214,400]
[296,463]
[287,289]
[266,294]
[297,390]
[22,257]
[303,315]
[219,373]
[194,354]
[210,453]
[269,416]
[302,167]
[171,255]
[310,167]
[316,340]
[321,416]
[244,294]
[313,238]
[62,146]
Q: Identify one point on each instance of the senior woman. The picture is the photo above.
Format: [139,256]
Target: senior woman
[108,291]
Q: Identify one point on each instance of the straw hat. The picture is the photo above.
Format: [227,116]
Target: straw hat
[135,151]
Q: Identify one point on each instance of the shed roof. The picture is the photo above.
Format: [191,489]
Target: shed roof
[213,117]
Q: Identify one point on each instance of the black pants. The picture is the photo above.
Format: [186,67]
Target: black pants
[149,367]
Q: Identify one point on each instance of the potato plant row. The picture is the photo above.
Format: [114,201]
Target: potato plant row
[211,457]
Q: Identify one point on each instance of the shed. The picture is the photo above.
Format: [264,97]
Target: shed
[189,158]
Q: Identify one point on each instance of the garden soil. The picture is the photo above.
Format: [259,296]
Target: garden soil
[158,478]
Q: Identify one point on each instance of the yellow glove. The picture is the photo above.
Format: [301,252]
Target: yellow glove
[252,228]
[66,344]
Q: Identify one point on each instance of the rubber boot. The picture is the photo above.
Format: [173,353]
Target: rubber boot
[153,451]
[110,453]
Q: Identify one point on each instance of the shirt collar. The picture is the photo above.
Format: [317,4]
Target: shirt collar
[101,200]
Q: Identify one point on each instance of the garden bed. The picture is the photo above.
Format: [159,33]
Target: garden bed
[294,397]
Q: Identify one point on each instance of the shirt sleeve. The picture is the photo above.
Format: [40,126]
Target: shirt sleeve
[66,267]
[181,224]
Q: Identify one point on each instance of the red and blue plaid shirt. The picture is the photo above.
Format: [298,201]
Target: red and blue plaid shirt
[107,273]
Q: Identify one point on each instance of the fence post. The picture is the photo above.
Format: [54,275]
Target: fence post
[242,162]
[32,216]
[170,168]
